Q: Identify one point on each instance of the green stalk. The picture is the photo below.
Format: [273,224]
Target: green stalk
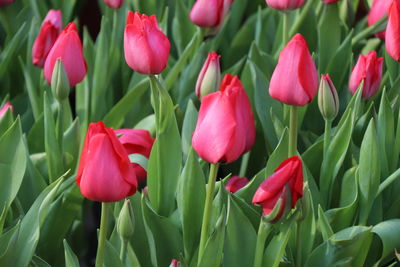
[388,181]
[263,230]
[243,165]
[285,31]
[124,249]
[327,136]
[367,31]
[293,131]
[298,247]
[60,128]
[102,235]
[205,226]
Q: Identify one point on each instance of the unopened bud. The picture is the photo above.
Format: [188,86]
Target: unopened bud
[126,221]
[209,78]
[59,81]
[328,100]
[175,263]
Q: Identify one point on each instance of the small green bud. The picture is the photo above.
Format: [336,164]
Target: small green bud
[126,221]
[328,100]
[59,81]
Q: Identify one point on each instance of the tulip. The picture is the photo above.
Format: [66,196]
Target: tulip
[393,31]
[378,10]
[295,78]
[209,78]
[126,221]
[4,109]
[49,31]
[68,47]
[136,141]
[330,1]
[225,128]
[235,183]
[6,2]
[146,47]
[281,190]
[59,82]
[105,172]
[368,70]
[285,5]
[114,3]
[210,13]
[328,100]
[175,263]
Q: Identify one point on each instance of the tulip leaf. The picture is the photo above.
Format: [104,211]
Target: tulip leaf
[70,258]
[139,159]
[247,192]
[388,232]
[188,127]
[368,171]
[182,28]
[279,154]
[323,225]
[111,256]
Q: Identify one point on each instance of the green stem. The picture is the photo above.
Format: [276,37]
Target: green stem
[243,166]
[293,131]
[298,247]
[102,235]
[327,136]
[124,249]
[294,29]
[285,31]
[60,126]
[205,226]
[263,230]
[367,31]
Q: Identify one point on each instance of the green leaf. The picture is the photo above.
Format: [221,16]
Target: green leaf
[388,232]
[188,127]
[139,159]
[246,193]
[323,225]
[111,256]
[279,154]
[368,172]
[70,258]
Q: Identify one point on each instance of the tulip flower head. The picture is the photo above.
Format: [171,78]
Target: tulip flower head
[328,100]
[146,47]
[285,5]
[6,2]
[4,109]
[210,13]
[295,78]
[368,70]
[280,192]
[49,31]
[392,36]
[68,47]
[378,10]
[105,172]
[235,183]
[209,78]
[225,128]
[175,263]
[114,3]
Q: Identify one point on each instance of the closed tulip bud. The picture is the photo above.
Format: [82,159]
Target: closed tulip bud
[295,78]
[146,47]
[175,263]
[209,78]
[280,192]
[136,141]
[4,109]
[330,1]
[393,31]
[225,128]
[59,81]
[6,2]
[368,70]
[210,13]
[48,34]
[328,100]
[114,3]
[105,172]
[285,5]
[126,221]
[235,183]
[378,10]
[68,47]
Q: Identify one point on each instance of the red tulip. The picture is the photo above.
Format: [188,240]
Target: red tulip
[48,34]
[146,46]
[68,47]
[225,127]
[175,263]
[114,3]
[287,180]
[368,70]
[209,78]
[235,183]
[295,78]
[330,1]
[210,13]
[4,109]
[378,10]
[285,5]
[136,141]
[6,2]
[393,31]
[105,172]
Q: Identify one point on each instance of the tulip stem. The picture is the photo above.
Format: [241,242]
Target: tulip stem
[327,136]
[293,131]
[124,249]
[263,231]
[60,127]
[243,165]
[102,235]
[369,30]
[205,226]
[285,35]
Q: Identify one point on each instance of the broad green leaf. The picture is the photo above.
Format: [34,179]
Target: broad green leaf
[279,155]
[188,127]
[182,27]
[323,225]
[111,256]
[246,193]
[70,258]
[388,232]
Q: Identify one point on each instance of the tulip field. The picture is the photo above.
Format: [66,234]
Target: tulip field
[199,133]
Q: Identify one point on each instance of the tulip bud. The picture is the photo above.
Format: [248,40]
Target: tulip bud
[285,5]
[393,31]
[126,221]
[114,3]
[4,109]
[210,13]
[59,81]
[330,1]
[175,263]
[328,100]
[235,183]
[378,10]
[6,2]
[209,78]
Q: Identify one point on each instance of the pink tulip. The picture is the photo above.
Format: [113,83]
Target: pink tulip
[146,47]
[68,47]
[136,141]
[295,78]
[114,3]
[4,109]
[225,128]
[378,10]
[368,70]
[210,13]
[330,1]
[6,2]
[393,31]
[285,5]
[209,78]
[235,183]
[49,31]
[105,172]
